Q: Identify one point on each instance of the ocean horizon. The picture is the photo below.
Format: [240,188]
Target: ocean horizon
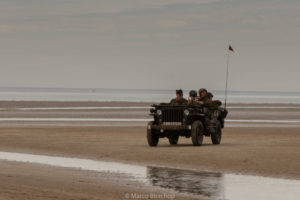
[137,95]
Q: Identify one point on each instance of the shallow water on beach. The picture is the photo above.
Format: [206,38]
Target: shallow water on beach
[216,186]
[137,95]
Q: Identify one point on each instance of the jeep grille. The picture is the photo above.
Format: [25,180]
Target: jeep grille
[172,116]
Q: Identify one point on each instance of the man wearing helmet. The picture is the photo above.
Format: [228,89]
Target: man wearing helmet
[179,100]
[192,99]
[203,98]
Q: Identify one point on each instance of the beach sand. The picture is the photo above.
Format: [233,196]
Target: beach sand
[30,181]
[258,151]
[262,151]
[270,152]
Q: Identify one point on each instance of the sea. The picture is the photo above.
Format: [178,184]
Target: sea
[137,95]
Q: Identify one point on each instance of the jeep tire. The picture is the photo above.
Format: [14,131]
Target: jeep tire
[152,137]
[217,135]
[197,133]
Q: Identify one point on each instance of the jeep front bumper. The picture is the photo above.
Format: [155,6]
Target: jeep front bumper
[168,127]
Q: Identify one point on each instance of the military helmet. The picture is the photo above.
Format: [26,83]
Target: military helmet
[201,90]
[179,91]
[193,93]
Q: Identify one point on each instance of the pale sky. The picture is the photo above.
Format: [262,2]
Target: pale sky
[155,44]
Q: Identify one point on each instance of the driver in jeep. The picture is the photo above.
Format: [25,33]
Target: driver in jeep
[179,100]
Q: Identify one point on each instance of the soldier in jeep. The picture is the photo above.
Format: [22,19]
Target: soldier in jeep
[210,96]
[179,100]
[193,98]
[203,98]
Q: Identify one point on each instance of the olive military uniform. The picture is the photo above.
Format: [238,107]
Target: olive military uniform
[176,102]
[193,102]
[205,100]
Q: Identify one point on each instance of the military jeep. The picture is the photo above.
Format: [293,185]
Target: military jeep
[195,121]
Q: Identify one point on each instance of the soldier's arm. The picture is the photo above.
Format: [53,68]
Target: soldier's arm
[185,101]
[199,102]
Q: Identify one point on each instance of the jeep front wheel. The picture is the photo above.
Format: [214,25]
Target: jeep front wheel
[197,133]
[152,137]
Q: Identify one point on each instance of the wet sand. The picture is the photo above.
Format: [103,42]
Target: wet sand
[190,183]
[265,151]
[30,181]
[257,151]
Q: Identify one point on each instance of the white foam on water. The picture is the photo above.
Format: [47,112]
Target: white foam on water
[76,119]
[84,108]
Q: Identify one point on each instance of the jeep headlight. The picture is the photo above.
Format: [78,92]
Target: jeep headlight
[158,112]
[186,112]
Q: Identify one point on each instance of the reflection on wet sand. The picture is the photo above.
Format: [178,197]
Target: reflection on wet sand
[218,186]
[208,184]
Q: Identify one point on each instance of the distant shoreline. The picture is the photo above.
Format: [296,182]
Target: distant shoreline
[22,103]
[91,89]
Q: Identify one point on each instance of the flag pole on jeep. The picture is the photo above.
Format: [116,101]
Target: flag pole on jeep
[227,72]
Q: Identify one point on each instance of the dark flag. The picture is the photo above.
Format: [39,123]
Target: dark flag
[230,48]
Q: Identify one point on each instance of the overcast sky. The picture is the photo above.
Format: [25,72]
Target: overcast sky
[150,43]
